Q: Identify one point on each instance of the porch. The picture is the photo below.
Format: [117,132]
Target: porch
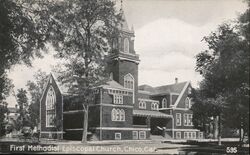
[157,121]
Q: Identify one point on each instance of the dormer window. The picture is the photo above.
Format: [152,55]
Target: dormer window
[126,45]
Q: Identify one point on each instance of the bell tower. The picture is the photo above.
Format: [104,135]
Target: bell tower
[123,61]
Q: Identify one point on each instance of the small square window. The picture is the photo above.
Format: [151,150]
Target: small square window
[190,135]
[135,134]
[178,119]
[142,135]
[201,135]
[194,135]
[118,136]
[185,135]
[178,135]
[50,135]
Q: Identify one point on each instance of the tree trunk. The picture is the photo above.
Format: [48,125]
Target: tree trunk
[85,124]
[215,127]
[240,133]
[219,129]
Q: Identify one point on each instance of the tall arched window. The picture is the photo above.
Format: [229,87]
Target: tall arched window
[164,103]
[50,107]
[126,45]
[122,115]
[113,114]
[187,103]
[129,83]
[118,115]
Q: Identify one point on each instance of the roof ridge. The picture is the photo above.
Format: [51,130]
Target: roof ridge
[171,84]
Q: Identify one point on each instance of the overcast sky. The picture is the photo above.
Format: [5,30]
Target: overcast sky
[168,36]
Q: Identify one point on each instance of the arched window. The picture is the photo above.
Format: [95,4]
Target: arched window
[126,45]
[129,83]
[118,115]
[187,103]
[122,115]
[154,106]
[113,115]
[164,103]
[142,104]
[50,107]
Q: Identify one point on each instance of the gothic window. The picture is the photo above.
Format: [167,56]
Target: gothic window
[164,103]
[122,115]
[50,107]
[113,115]
[154,106]
[126,45]
[187,103]
[142,104]
[118,115]
[129,83]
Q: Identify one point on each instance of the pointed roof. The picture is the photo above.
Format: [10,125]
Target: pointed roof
[166,89]
[173,88]
[124,24]
[112,84]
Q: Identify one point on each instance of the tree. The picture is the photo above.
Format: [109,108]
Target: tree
[83,32]
[3,111]
[225,68]
[23,118]
[35,89]
[7,86]
[22,36]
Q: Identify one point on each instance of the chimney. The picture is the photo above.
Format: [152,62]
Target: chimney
[176,80]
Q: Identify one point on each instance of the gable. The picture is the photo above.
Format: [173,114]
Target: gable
[183,96]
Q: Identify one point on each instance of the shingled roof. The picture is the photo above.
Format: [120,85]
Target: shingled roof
[166,89]
[112,84]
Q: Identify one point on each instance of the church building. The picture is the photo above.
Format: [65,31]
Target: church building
[122,110]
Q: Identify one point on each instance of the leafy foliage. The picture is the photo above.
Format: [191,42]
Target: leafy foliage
[225,68]
[22,35]
[3,111]
[23,118]
[82,34]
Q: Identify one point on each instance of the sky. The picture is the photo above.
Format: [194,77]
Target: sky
[168,35]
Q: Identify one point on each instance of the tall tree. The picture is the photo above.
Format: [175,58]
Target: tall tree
[35,89]
[23,118]
[22,35]
[3,111]
[83,32]
[225,68]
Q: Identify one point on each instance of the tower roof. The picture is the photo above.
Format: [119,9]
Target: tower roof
[124,23]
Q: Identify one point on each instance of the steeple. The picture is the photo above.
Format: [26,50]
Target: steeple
[124,23]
